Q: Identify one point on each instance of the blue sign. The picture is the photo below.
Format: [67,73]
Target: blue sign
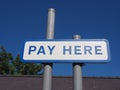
[53,51]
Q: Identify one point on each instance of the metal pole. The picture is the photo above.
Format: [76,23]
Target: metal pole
[77,72]
[50,24]
[47,76]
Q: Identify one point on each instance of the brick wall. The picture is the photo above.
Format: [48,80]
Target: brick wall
[59,83]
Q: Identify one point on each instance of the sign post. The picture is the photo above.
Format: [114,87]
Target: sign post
[77,52]
[77,72]
[47,76]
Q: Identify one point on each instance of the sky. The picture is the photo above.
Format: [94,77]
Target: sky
[22,20]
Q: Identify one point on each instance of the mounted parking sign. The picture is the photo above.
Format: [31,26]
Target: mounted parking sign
[83,50]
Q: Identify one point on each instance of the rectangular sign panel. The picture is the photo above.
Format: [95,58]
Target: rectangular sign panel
[66,51]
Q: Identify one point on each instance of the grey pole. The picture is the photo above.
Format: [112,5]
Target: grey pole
[47,76]
[77,72]
[50,24]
